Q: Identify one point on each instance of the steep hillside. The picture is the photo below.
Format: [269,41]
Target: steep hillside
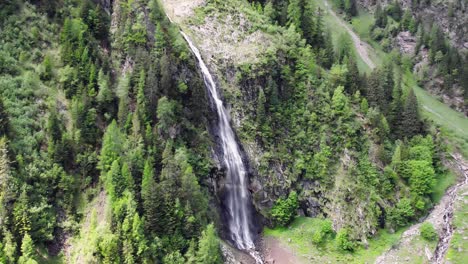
[120,142]
[287,154]
[434,35]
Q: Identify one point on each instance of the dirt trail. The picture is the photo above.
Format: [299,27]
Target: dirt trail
[361,47]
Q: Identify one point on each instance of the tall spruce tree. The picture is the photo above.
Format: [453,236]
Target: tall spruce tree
[4,121]
[410,124]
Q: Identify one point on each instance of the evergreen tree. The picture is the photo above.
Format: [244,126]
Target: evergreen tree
[116,182]
[166,115]
[141,98]
[9,246]
[410,124]
[92,81]
[5,180]
[353,81]
[208,247]
[437,41]
[295,13]
[396,107]
[124,100]
[388,85]
[191,254]
[148,180]
[174,258]
[350,7]
[380,16]
[4,120]
[105,95]
[319,38]
[127,177]
[27,251]
[328,52]
[375,90]
[112,147]
[307,23]
[21,215]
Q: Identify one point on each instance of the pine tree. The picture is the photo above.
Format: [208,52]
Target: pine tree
[141,98]
[208,247]
[319,39]
[388,85]
[4,120]
[410,124]
[437,42]
[138,238]
[191,254]
[4,166]
[295,13]
[375,91]
[328,51]
[148,179]
[166,113]
[396,107]
[124,100]
[21,213]
[353,81]
[92,81]
[27,251]
[112,147]
[116,182]
[350,7]
[127,177]
[380,16]
[105,95]
[9,246]
[307,23]
[174,258]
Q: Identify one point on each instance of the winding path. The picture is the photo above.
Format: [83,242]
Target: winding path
[361,47]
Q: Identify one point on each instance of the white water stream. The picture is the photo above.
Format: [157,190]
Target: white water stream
[237,201]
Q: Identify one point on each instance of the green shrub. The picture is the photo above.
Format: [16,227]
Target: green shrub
[284,210]
[343,241]
[428,232]
[317,238]
[326,227]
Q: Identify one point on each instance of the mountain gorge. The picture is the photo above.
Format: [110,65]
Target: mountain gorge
[178,131]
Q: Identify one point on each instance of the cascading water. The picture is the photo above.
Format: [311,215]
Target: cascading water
[238,201]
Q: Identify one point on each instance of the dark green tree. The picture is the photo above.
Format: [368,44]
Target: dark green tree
[4,119]
[410,123]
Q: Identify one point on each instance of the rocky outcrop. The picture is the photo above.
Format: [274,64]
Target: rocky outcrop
[406,42]
[450,16]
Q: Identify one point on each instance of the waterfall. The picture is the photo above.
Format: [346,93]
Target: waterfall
[238,201]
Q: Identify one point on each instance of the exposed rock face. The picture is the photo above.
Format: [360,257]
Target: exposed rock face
[406,42]
[449,15]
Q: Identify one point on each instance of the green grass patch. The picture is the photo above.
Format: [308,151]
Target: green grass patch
[453,124]
[362,24]
[299,235]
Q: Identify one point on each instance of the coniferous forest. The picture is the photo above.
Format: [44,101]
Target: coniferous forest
[349,118]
